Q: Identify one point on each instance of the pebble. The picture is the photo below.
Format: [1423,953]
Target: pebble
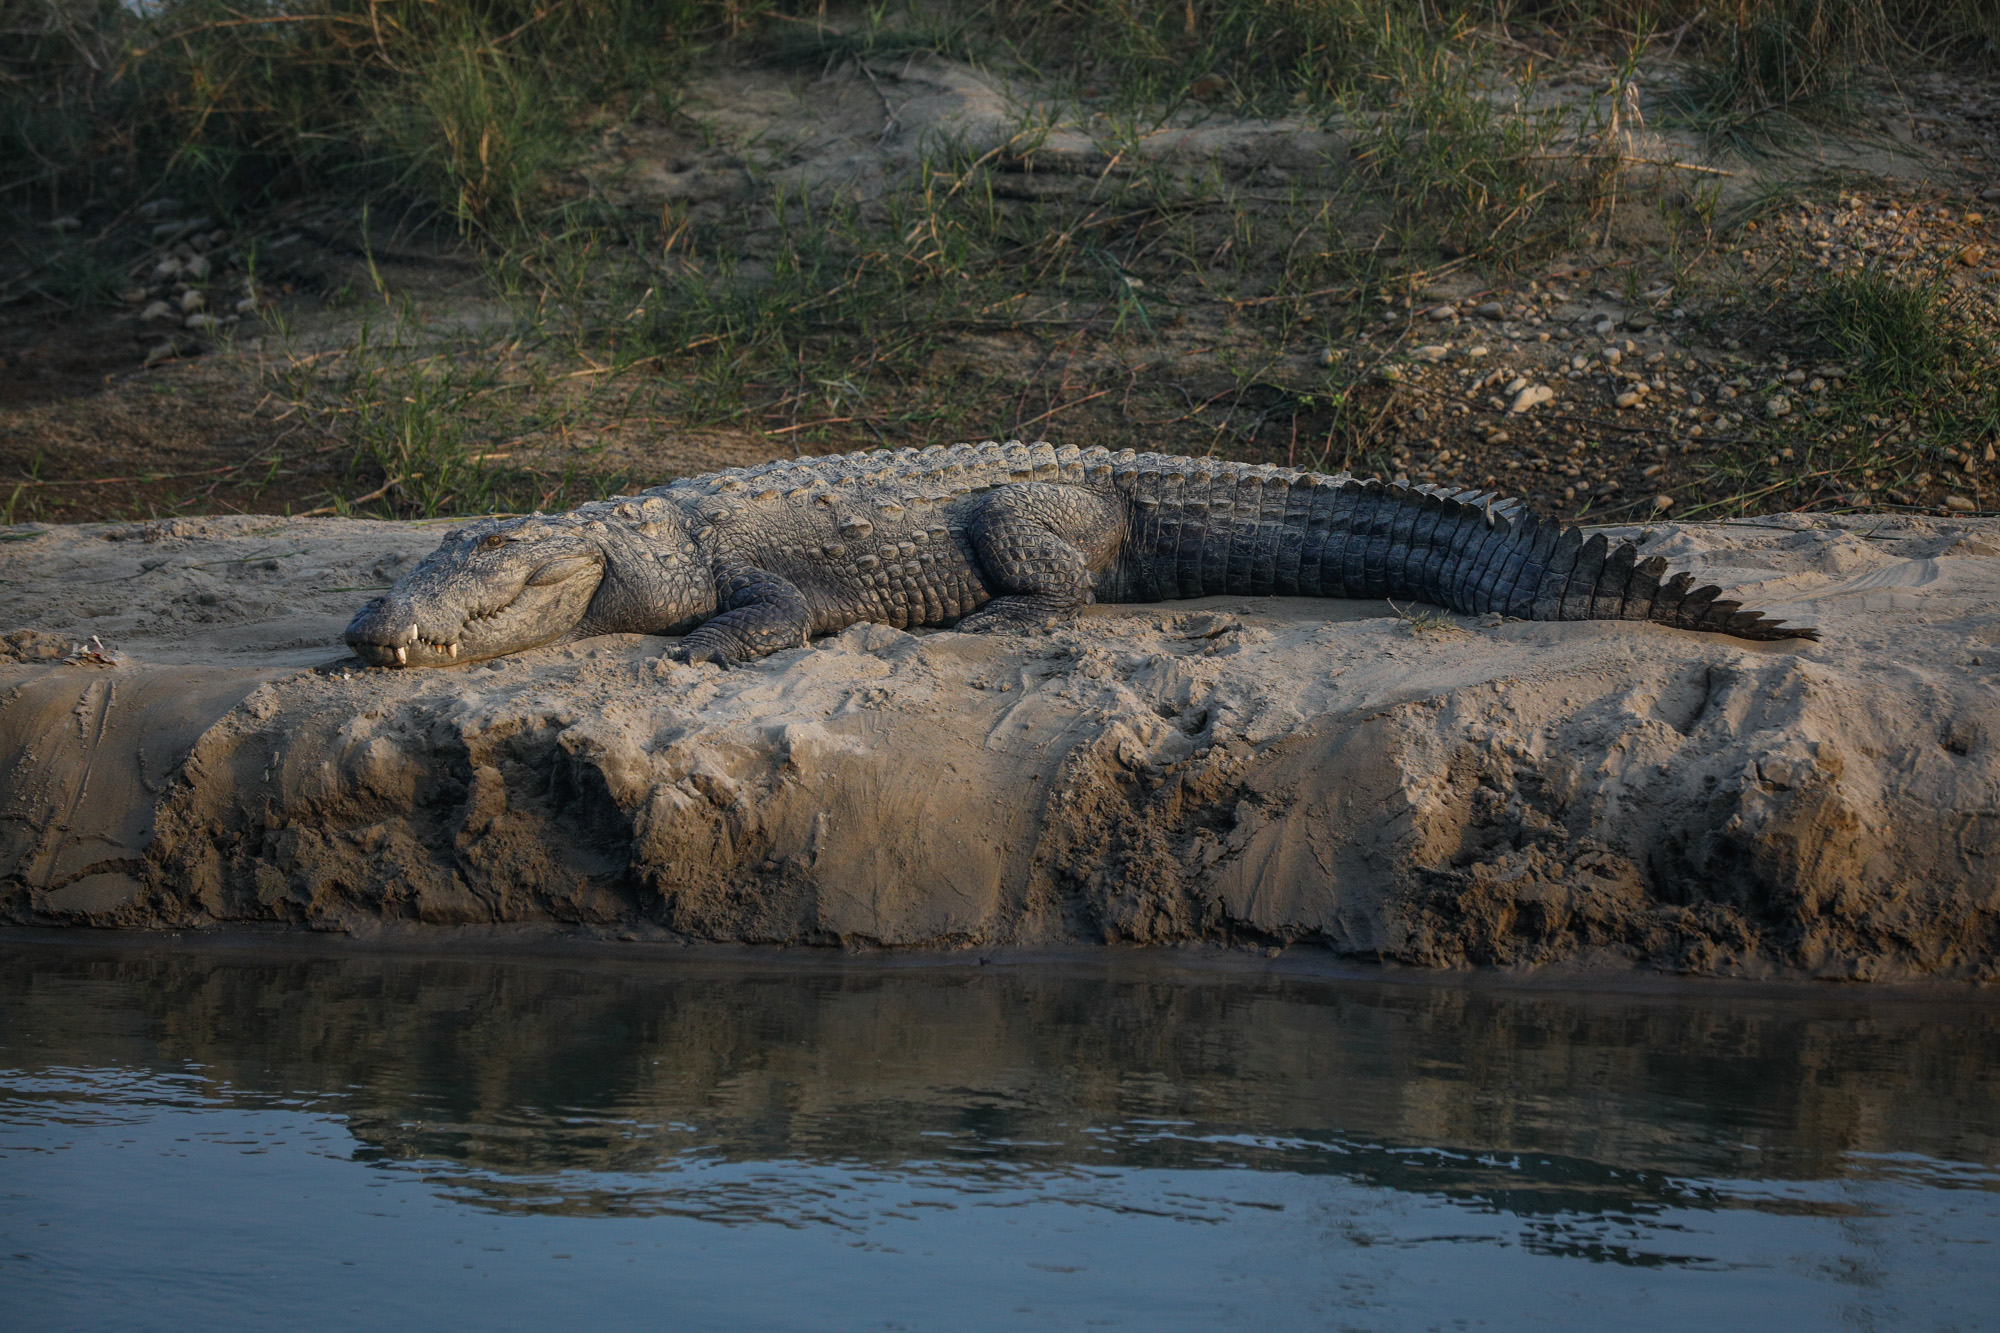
[1442,312]
[1661,502]
[1491,310]
[1959,504]
[1640,321]
[201,323]
[1612,356]
[192,300]
[196,269]
[1435,352]
[158,310]
[1630,398]
[1777,405]
[1533,395]
[1474,353]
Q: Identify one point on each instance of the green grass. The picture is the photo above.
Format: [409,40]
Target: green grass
[467,104]
[1905,337]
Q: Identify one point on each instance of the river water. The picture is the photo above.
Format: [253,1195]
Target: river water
[235,1138]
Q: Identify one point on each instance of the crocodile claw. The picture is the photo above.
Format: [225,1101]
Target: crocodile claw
[696,654]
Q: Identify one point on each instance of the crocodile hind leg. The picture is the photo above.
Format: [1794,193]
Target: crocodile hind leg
[1041,548]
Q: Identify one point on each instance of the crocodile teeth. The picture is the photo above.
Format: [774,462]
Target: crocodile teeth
[454,650]
[412,635]
[402,656]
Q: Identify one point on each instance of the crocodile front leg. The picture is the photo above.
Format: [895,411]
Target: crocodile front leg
[1042,546]
[762,612]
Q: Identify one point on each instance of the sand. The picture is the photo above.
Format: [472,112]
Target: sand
[1270,773]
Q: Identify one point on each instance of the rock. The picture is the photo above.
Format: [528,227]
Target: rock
[1959,504]
[165,351]
[1662,503]
[1971,255]
[1991,194]
[156,312]
[196,269]
[1612,356]
[1640,322]
[1630,398]
[1435,352]
[1532,396]
[192,300]
[167,269]
[1777,405]
[1604,328]
[1441,313]
[1474,353]
[247,306]
[1327,356]
[1795,377]
[1491,310]
[201,323]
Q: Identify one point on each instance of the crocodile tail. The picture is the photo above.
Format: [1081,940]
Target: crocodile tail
[1591,579]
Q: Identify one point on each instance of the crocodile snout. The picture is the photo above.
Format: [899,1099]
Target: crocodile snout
[384,633]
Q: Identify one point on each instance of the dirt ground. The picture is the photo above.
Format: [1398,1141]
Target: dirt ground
[1626,378]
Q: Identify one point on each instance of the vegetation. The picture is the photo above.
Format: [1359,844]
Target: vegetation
[822,319]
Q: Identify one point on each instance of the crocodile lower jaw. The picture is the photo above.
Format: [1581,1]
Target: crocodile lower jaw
[411,648]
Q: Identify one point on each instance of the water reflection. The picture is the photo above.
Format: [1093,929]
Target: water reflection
[871,1103]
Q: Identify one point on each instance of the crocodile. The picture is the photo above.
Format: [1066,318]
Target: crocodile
[998,537]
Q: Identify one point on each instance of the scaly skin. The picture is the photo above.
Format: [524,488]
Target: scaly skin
[996,537]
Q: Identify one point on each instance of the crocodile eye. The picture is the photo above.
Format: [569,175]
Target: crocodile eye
[493,541]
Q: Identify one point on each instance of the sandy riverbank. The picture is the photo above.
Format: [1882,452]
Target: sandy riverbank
[1268,770]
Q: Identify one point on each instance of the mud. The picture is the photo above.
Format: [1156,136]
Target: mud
[1269,773]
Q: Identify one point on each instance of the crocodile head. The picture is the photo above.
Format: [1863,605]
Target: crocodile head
[494,587]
